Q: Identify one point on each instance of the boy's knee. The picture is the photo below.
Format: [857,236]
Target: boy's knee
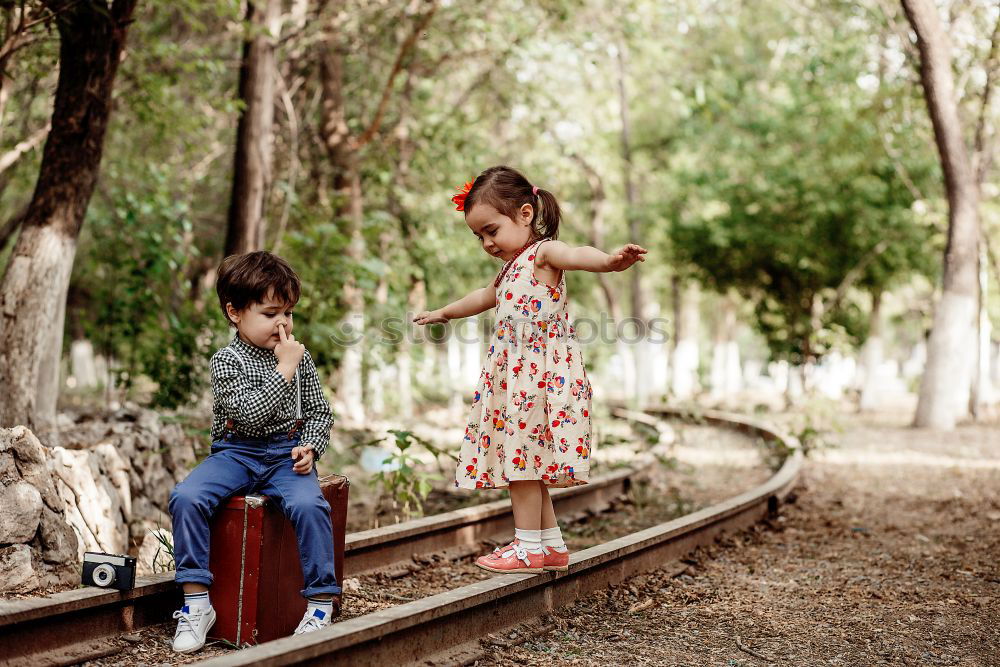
[182,498]
[309,506]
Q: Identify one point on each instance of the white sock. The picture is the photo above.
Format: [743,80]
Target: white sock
[552,538]
[325,607]
[197,600]
[529,539]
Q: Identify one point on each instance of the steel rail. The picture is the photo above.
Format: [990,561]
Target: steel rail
[435,626]
[72,626]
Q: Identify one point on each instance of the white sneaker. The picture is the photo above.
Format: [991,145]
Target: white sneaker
[192,628]
[313,621]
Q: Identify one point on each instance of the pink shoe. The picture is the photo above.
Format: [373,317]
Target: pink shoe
[513,558]
[496,552]
[556,561]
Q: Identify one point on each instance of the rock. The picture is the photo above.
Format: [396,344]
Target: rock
[172,434]
[18,574]
[8,469]
[82,435]
[146,517]
[20,447]
[85,538]
[178,457]
[96,497]
[157,482]
[58,539]
[352,585]
[25,446]
[21,511]
[153,557]
[31,463]
[135,481]
[149,422]
[63,574]
[147,442]
[126,446]
[117,471]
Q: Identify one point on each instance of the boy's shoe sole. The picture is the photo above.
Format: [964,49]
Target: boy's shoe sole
[516,570]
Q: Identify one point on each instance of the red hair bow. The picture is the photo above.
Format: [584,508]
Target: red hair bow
[459,199]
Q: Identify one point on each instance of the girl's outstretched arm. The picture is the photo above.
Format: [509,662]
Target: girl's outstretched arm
[558,255]
[472,303]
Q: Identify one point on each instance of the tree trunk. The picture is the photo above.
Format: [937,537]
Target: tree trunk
[950,345]
[598,206]
[254,138]
[417,300]
[982,384]
[726,374]
[36,280]
[871,356]
[347,181]
[379,371]
[351,390]
[634,226]
[684,379]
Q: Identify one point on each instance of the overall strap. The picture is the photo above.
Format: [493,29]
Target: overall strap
[298,395]
[239,358]
[230,424]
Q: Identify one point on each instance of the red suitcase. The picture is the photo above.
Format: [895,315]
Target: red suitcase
[254,560]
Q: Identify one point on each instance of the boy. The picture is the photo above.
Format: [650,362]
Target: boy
[270,422]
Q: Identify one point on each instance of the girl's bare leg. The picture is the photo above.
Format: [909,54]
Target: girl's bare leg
[526,502]
[548,512]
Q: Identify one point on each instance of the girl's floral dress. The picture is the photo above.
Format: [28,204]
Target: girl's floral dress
[530,416]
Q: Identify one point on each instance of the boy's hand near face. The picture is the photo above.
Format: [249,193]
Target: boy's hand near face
[303,457]
[289,352]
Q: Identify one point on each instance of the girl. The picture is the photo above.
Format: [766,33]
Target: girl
[530,423]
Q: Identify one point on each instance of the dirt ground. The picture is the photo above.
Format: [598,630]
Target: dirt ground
[889,554]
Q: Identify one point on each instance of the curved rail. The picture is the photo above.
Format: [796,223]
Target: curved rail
[437,625]
[73,626]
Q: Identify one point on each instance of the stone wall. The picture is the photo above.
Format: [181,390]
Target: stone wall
[38,548]
[105,488]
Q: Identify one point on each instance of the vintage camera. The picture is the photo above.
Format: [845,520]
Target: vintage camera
[108,571]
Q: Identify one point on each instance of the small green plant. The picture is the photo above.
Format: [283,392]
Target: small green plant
[667,462]
[403,481]
[163,559]
[816,426]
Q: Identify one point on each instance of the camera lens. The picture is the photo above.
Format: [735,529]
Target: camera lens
[104,575]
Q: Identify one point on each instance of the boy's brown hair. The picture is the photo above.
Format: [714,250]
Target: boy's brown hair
[247,279]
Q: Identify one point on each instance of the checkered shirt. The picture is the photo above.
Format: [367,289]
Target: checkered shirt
[261,402]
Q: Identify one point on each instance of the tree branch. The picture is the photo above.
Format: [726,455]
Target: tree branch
[9,227]
[14,154]
[397,67]
[982,157]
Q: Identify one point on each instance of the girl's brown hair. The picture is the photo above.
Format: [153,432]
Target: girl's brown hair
[507,190]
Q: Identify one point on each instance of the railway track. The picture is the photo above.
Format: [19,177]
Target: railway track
[438,625]
[73,626]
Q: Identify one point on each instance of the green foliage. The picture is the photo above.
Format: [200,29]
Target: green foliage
[135,300]
[777,150]
[801,198]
